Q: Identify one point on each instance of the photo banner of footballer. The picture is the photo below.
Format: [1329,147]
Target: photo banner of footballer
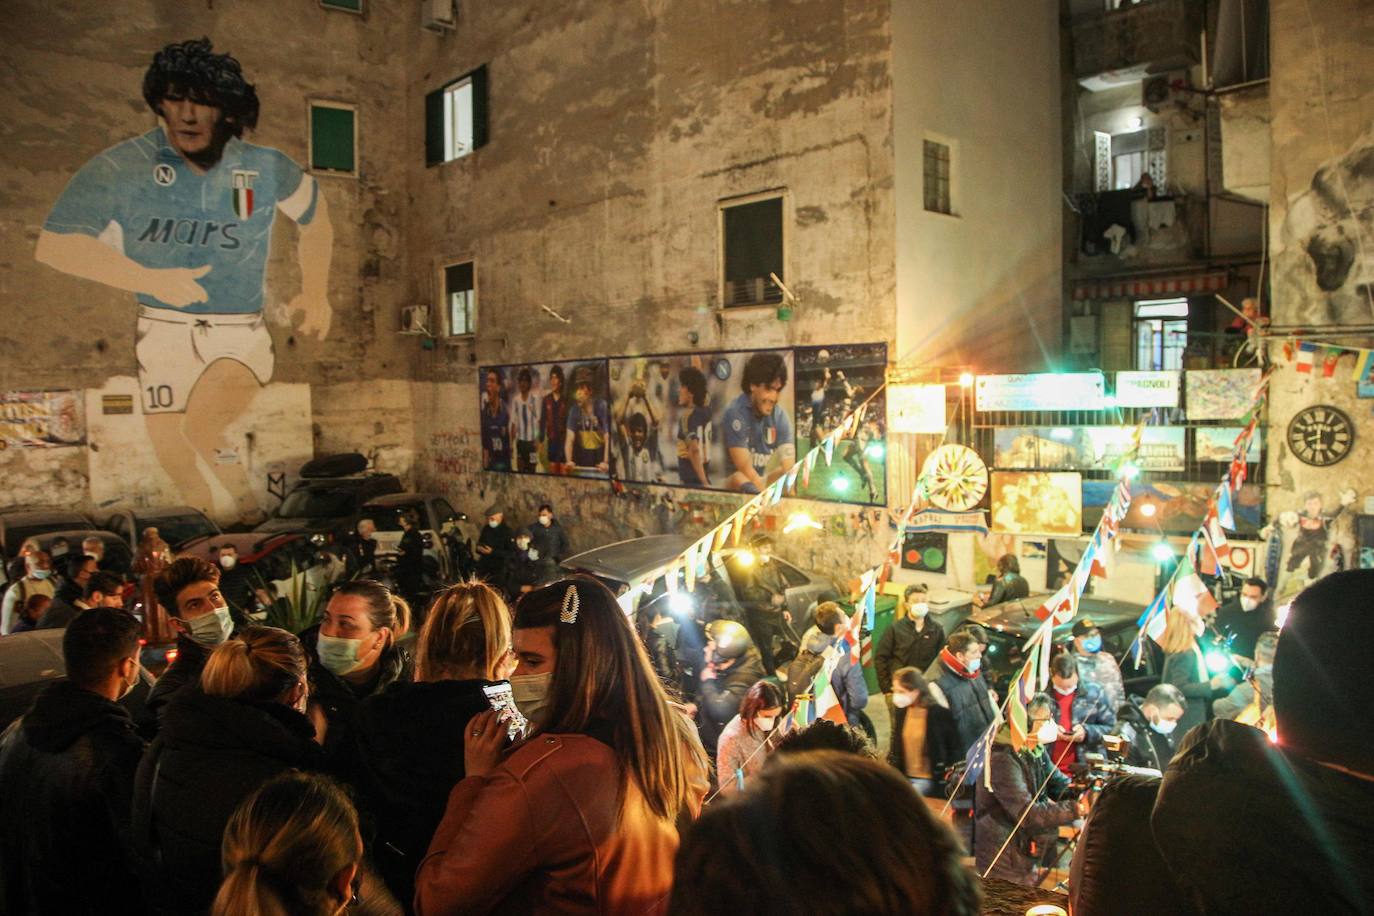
[546,418]
[831,382]
[719,421]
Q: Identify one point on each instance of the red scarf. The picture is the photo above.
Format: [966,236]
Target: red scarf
[953,664]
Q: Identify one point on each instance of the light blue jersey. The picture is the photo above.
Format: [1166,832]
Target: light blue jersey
[144,200]
[760,435]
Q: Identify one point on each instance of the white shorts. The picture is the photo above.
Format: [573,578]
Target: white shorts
[175,348]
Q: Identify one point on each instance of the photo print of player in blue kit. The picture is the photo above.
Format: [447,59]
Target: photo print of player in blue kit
[534,420]
[182,217]
[671,415]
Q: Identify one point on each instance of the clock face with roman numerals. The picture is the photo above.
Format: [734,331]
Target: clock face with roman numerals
[1320,435]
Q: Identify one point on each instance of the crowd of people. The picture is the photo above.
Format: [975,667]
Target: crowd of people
[550,754]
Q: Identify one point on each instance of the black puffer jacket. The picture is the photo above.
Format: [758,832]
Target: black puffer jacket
[405,756]
[719,698]
[1016,777]
[1239,827]
[184,672]
[338,698]
[66,778]
[969,702]
[211,754]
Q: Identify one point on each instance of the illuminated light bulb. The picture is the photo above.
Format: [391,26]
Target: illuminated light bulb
[1130,471]
[1218,662]
[799,520]
[966,380]
[745,558]
[681,603]
[1148,509]
[840,484]
[875,450]
[1162,552]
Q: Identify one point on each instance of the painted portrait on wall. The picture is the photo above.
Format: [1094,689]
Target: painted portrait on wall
[182,217]
[546,418]
[831,383]
[720,421]
[1030,502]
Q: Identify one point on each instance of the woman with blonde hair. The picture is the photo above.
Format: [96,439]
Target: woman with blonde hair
[401,755]
[354,654]
[583,816]
[291,849]
[1185,666]
[217,745]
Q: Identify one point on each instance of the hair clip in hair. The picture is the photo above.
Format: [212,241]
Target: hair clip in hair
[570,606]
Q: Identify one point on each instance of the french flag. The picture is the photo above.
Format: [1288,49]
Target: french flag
[1307,354]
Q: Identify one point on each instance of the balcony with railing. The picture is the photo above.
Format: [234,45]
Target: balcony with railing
[1152,36]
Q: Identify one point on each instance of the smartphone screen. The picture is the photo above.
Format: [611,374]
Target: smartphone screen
[503,701]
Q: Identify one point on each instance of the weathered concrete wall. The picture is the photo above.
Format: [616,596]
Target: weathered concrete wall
[982,287]
[70,87]
[1322,198]
[615,130]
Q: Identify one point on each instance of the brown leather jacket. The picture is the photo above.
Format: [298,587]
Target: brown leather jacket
[540,834]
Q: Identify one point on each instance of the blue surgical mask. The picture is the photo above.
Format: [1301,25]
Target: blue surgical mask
[41,573]
[974,665]
[338,655]
[209,630]
[1092,644]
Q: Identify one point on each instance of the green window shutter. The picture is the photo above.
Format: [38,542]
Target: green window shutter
[331,139]
[434,127]
[352,6]
[479,107]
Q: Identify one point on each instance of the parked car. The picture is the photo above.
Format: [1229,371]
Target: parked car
[33,660]
[119,558]
[325,503]
[1011,623]
[21,523]
[624,562]
[175,524]
[448,552]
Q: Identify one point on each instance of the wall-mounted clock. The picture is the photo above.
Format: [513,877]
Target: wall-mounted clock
[1321,435]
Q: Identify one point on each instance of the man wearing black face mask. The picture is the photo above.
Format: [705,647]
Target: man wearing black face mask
[66,780]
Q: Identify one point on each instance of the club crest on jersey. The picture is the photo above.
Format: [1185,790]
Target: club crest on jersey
[164,175]
[242,183]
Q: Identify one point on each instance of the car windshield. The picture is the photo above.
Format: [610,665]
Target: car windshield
[312,502]
[388,518]
[178,529]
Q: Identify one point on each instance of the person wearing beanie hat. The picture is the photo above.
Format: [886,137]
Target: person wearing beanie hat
[1243,822]
[495,549]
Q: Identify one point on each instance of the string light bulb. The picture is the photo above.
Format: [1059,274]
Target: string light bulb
[799,520]
[1162,552]
[966,380]
[1148,509]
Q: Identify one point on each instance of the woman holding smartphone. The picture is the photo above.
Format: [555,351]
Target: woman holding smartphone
[583,816]
[400,756]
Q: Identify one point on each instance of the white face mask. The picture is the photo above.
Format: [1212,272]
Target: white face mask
[523,544]
[494,522]
[1248,604]
[1165,726]
[1048,732]
[903,700]
[1064,691]
[228,561]
[531,693]
[920,609]
[209,630]
[546,520]
[765,723]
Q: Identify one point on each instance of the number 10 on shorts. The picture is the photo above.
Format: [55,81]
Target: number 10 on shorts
[159,397]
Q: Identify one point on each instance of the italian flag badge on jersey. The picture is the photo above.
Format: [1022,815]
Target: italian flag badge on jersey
[242,182]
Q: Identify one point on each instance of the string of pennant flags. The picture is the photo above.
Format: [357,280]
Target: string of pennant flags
[1308,356]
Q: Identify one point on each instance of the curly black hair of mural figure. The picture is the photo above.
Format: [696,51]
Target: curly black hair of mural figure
[192,69]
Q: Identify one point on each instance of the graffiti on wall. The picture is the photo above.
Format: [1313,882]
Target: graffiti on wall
[182,217]
[42,419]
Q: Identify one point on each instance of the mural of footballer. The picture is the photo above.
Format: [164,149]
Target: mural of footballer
[758,434]
[182,217]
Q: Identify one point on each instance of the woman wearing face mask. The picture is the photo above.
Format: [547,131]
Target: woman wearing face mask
[924,740]
[1185,666]
[744,744]
[1015,778]
[401,756]
[354,655]
[217,745]
[583,816]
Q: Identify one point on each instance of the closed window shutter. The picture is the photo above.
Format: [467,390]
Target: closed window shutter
[479,107]
[434,127]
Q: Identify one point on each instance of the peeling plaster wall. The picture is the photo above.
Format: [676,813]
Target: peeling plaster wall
[983,287]
[70,87]
[615,128]
[1322,104]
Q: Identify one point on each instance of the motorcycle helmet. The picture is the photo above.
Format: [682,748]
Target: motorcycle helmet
[732,639]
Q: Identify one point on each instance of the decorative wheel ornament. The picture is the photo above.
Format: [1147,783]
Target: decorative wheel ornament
[955,478]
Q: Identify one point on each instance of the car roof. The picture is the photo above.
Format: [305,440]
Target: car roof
[1017,618]
[32,656]
[250,545]
[76,535]
[159,511]
[30,515]
[628,560]
[390,500]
